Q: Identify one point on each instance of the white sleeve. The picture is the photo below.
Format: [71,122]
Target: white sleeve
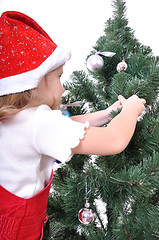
[55,134]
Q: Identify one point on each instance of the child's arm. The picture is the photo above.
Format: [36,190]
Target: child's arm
[114,138]
[98,118]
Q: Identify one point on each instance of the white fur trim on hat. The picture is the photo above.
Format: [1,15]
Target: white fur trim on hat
[29,80]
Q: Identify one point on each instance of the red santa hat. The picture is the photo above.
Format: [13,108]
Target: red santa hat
[27,53]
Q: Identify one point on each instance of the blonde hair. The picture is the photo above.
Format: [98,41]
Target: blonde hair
[13,103]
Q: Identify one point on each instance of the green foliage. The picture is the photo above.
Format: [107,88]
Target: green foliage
[127,182]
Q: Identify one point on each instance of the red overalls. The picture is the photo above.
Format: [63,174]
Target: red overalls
[23,219]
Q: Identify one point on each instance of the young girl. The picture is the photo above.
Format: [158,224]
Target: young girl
[33,131]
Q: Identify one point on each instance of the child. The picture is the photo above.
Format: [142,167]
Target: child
[33,132]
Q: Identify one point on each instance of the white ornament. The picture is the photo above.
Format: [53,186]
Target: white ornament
[96,62]
[122,66]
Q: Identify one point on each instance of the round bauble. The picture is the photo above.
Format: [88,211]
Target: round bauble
[86,216]
[122,66]
[95,63]
[66,113]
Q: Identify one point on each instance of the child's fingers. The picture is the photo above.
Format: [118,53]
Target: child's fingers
[143,101]
[121,99]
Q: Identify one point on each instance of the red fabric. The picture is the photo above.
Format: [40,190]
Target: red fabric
[24,45]
[23,219]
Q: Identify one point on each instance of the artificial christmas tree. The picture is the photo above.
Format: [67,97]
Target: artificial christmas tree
[124,185]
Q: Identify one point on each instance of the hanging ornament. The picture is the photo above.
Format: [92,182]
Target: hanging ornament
[86,215]
[66,113]
[95,62]
[64,107]
[122,66]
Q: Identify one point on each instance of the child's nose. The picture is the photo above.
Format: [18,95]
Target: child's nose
[63,89]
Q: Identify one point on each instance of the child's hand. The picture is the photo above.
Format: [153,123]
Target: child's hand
[133,102]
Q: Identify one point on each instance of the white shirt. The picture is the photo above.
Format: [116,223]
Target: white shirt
[29,142]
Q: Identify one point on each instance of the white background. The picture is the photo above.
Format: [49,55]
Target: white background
[79,23]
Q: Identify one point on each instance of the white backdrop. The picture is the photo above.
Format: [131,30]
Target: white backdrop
[79,23]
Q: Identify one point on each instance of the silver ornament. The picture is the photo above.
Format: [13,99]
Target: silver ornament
[122,66]
[95,63]
[86,215]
